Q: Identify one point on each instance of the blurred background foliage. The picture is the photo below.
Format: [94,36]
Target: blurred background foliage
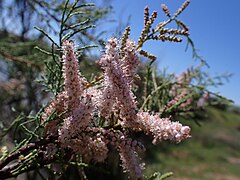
[211,153]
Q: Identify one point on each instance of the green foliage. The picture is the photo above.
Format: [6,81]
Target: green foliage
[159,176]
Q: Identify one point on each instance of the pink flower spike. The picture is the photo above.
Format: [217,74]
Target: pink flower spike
[117,95]
[162,128]
[131,162]
[74,83]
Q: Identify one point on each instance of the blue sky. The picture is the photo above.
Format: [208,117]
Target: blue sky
[214,27]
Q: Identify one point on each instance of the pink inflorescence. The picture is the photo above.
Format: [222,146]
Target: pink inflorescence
[74,83]
[58,106]
[162,128]
[117,95]
[130,161]
[81,107]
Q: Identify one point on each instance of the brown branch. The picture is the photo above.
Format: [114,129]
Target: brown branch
[41,162]
[25,150]
[19,59]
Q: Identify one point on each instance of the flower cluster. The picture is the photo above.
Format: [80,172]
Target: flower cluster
[184,95]
[162,128]
[118,77]
[74,83]
[74,114]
